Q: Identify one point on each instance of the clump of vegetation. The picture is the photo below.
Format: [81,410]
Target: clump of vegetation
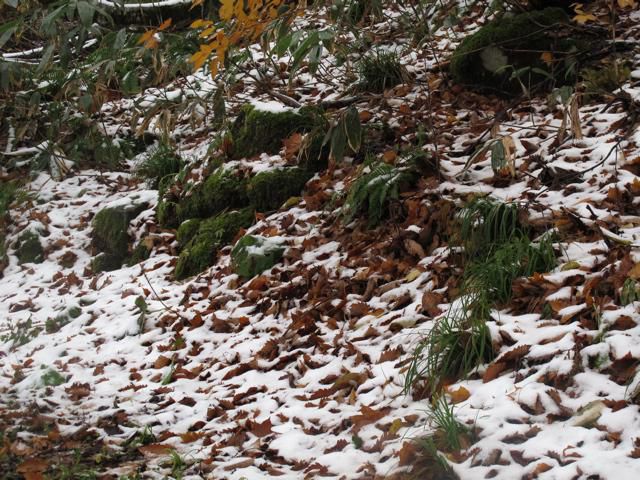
[380,71]
[499,58]
[221,190]
[29,249]
[213,233]
[187,230]
[604,79]
[21,333]
[52,378]
[497,251]
[257,131]
[269,190]
[161,162]
[253,255]
[110,236]
[373,191]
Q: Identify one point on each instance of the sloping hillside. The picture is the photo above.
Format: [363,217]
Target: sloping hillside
[356,351]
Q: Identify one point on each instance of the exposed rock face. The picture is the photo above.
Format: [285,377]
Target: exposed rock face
[253,255]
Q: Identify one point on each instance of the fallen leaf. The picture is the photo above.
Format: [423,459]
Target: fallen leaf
[459,395]
[367,415]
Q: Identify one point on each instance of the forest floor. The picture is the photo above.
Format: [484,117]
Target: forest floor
[300,372]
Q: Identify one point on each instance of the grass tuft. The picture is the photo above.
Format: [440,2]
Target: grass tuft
[381,70]
[161,162]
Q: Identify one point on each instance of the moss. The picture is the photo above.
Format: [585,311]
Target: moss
[248,262]
[486,59]
[165,184]
[110,231]
[269,190]
[140,252]
[187,230]
[110,236]
[257,131]
[166,214]
[106,262]
[221,190]
[213,234]
[160,163]
[29,249]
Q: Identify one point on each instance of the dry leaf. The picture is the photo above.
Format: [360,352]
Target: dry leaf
[459,395]
[367,415]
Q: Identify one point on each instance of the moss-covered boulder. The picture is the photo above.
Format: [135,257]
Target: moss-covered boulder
[508,50]
[110,235]
[140,253]
[29,249]
[221,190]
[214,233]
[259,130]
[269,190]
[252,255]
[106,262]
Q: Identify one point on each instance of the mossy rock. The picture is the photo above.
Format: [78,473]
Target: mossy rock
[166,213]
[257,131]
[110,235]
[269,190]
[106,262]
[213,234]
[315,157]
[140,253]
[252,255]
[29,249]
[486,59]
[221,190]
[187,230]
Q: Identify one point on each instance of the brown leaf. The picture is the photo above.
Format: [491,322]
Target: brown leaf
[260,429]
[414,248]
[459,395]
[190,437]
[161,362]
[292,146]
[155,449]
[78,390]
[514,354]
[430,302]
[368,415]
[407,454]
[492,372]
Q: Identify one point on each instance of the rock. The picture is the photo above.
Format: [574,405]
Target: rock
[106,262]
[262,129]
[486,60]
[253,255]
[29,249]
[110,235]
[213,233]
[269,190]
[187,230]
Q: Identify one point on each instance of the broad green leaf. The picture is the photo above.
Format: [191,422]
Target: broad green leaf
[338,143]
[498,157]
[353,129]
[86,12]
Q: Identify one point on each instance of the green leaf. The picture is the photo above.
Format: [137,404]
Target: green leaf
[353,129]
[498,157]
[86,12]
[46,58]
[338,143]
[142,305]
[6,35]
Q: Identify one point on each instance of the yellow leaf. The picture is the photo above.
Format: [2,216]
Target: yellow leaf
[164,25]
[396,425]
[226,9]
[583,18]
[201,23]
[459,395]
[626,3]
[144,38]
[547,57]
[195,3]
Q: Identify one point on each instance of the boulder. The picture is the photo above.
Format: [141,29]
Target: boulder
[268,190]
[252,255]
[213,233]
[511,47]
